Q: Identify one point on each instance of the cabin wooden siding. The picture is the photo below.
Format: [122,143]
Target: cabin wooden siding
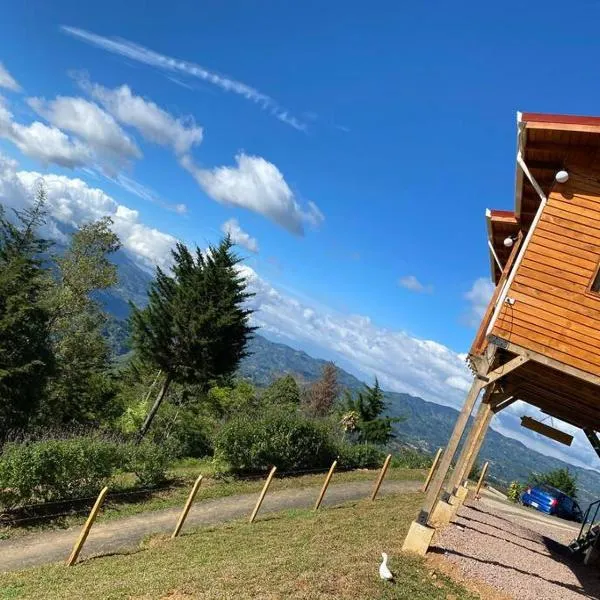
[555,313]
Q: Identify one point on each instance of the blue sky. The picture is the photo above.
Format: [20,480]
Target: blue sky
[382,131]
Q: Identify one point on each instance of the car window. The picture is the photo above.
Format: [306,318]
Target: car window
[567,503]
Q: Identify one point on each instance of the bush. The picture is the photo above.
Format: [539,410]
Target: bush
[359,456]
[49,470]
[289,441]
[148,461]
[408,458]
[515,489]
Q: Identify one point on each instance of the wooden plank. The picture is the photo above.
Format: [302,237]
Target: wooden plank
[541,246]
[506,368]
[537,264]
[564,344]
[580,344]
[541,257]
[554,233]
[567,246]
[590,224]
[555,309]
[528,273]
[578,230]
[558,323]
[580,306]
[575,206]
[547,431]
[550,354]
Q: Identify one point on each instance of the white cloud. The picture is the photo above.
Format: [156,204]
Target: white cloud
[401,362]
[154,123]
[479,297]
[72,202]
[7,81]
[239,236]
[257,185]
[43,143]
[144,55]
[90,123]
[146,193]
[410,282]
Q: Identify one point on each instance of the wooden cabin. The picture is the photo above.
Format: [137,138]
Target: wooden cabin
[547,297]
[539,340]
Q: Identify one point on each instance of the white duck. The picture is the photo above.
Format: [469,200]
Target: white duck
[384,571]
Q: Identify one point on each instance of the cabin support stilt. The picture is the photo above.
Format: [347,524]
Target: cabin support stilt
[438,513]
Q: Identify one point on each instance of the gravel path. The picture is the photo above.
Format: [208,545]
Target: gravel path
[125,534]
[520,553]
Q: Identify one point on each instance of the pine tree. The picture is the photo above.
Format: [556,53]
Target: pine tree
[195,326]
[369,406]
[25,352]
[324,392]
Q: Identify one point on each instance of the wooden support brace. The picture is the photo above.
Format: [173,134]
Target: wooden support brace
[86,528]
[382,473]
[262,495]
[186,508]
[325,485]
[434,464]
[481,478]
[504,369]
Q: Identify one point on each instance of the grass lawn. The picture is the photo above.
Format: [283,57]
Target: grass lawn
[333,554]
[182,476]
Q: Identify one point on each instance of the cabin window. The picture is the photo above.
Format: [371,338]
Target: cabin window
[596,283]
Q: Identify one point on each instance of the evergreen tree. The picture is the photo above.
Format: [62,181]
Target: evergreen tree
[324,392]
[25,352]
[368,406]
[284,391]
[195,326]
[82,389]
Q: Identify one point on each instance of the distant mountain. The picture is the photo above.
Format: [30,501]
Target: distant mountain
[426,425]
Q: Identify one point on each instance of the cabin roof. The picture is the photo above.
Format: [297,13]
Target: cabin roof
[548,143]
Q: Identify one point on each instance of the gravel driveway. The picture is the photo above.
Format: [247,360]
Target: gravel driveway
[516,551]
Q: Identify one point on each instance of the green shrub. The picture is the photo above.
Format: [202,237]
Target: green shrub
[148,461]
[408,458]
[359,456]
[515,489]
[287,440]
[47,470]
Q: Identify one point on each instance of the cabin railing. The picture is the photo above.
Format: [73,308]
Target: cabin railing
[480,342]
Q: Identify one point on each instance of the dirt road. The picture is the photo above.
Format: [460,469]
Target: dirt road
[125,534]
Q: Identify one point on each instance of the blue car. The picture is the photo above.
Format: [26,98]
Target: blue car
[551,501]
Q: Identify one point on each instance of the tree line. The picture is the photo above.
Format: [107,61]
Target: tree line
[177,386]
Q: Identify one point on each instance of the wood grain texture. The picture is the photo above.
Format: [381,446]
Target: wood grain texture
[554,312]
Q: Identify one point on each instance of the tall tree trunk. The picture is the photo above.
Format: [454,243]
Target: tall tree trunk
[152,413]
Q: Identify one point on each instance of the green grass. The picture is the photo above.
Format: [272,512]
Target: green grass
[333,554]
[182,477]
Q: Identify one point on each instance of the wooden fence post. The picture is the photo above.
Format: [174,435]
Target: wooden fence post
[186,508]
[481,478]
[434,465]
[262,495]
[86,528]
[382,473]
[325,485]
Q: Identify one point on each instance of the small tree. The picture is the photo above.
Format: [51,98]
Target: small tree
[369,405]
[195,327]
[282,391]
[25,351]
[561,479]
[81,389]
[324,392]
